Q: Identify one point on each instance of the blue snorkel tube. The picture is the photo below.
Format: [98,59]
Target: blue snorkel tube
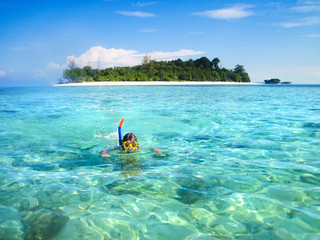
[119,132]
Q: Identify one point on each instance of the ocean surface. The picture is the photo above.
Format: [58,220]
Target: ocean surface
[237,162]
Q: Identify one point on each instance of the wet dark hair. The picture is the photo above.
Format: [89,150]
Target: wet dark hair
[130,137]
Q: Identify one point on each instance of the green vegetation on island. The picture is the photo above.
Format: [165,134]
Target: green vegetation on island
[201,70]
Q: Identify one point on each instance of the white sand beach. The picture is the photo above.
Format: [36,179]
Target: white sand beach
[150,83]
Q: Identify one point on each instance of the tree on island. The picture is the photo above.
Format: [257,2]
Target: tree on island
[201,69]
[215,62]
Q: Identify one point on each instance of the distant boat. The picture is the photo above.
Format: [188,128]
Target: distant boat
[272,81]
[285,82]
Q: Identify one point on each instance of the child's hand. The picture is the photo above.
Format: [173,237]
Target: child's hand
[104,154]
[157,150]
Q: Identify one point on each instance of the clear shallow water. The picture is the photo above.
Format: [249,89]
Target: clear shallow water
[238,162]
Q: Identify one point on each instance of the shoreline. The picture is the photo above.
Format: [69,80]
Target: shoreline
[156,83]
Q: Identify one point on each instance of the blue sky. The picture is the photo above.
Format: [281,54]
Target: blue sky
[272,39]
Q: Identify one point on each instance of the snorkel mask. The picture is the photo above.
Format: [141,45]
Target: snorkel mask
[127,145]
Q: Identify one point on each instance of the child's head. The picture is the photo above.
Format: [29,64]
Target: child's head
[130,142]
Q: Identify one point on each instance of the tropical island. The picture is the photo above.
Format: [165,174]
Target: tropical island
[199,70]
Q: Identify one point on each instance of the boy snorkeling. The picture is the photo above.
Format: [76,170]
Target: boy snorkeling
[129,143]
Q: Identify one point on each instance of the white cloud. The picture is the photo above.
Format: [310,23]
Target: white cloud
[237,11]
[54,66]
[307,6]
[196,33]
[137,14]
[100,57]
[149,30]
[2,73]
[173,55]
[302,22]
[144,4]
[312,35]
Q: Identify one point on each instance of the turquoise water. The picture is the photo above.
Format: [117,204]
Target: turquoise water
[238,162]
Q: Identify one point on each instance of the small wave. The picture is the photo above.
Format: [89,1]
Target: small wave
[106,135]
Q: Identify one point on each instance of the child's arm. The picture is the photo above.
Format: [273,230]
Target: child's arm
[104,152]
[157,150]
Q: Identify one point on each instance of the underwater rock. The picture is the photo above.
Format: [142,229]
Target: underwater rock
[79,229]
[43,224]
[29,204]
[229,228]
[124,192]
[240,183]
[84,198]
[16,186]
[285,194]
[114,184]
[119,187]
[192,189]
[169,231]
[44,167]
[8,214]
[10,225]
[308,178]
[200,217]
[18,163]
[34,165]
[82,161]
[188,196]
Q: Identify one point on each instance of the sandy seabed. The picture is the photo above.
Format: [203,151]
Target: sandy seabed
[150,83]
